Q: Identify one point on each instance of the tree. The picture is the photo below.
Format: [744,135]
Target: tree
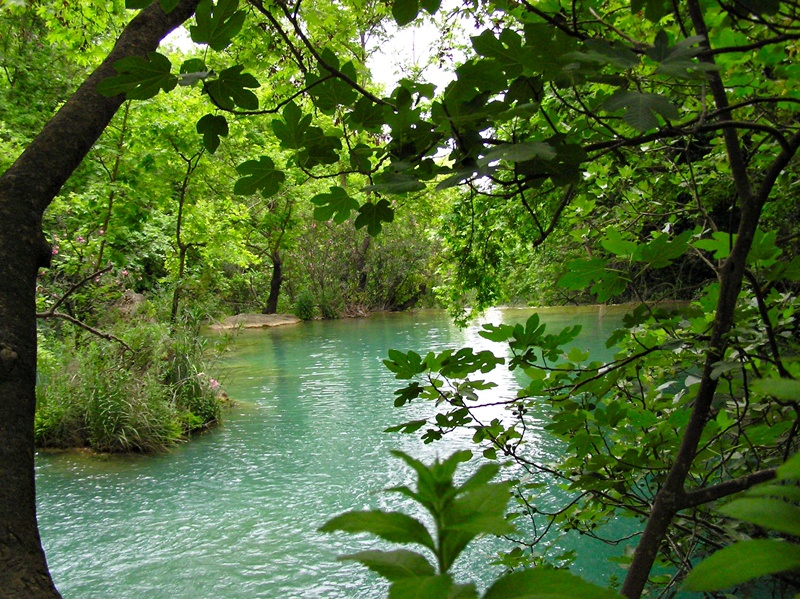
[26,188]
[653,126]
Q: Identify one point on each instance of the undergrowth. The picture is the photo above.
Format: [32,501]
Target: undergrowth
[100,394]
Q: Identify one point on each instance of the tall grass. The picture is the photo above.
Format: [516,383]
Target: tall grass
[98,394]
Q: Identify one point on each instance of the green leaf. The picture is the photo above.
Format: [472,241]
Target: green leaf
[367,115]
[261,175]
[477,512]
[661,251]
[767,513]
[432,6]
[192,71]
[427,587]
[318,148]
[407,394]
[391,526]
[563,169]
[430,482]
[791,469]
[407,427]
[539,583]
[291,131]
[443,471]
[498,333]
[395,183]
[582,273]
[742,562]
[359,158]
[760,7]
[465,361]
[519,152]
[606,53]
[212,127]
[372,216]
[654,10]
[641,108]
[328,93]
[461,176]
[217,24]
[393,565]
[507,50]
[230,89]
[614,243]
[720,243]
[405,366]
[786,389]
[482,476]
[463,591]
[784,270]
[139,78]
[137,4]
[335,205]
[405,11]
[193,65]
[764,250]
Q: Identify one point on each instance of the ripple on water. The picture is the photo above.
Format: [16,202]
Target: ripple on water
[234,513]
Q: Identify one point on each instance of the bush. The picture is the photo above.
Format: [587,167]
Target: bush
[304,305]
[101,395]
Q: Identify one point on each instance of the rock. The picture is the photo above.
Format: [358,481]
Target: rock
[254,321]
[129,303]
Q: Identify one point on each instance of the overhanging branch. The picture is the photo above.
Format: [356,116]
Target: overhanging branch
[713,493]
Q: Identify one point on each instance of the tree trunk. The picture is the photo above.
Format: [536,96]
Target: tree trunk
[361,263]
[274,284]
[26,189]
[672,497]
[176,293]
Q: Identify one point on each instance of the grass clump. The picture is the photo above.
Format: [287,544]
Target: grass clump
[304,307]
[144,397]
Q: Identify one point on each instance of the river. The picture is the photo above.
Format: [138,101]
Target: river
[234,512]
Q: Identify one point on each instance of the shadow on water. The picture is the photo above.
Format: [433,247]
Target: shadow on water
[234,513]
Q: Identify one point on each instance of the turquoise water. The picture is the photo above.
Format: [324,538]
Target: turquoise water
[234,512]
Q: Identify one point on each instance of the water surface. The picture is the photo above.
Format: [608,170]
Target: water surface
[234,513]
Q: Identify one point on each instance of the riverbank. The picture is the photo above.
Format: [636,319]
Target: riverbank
[254,321]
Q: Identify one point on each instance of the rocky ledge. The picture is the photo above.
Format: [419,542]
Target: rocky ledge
[254,321]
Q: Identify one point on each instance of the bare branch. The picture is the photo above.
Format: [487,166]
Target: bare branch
[83,325]
[701,496]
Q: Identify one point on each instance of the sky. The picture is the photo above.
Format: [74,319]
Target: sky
[407,47]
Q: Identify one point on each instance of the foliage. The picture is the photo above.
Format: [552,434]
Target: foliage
[768,506]
[459,513]
[304,306]
[655,142]
[143,397]
[620,420]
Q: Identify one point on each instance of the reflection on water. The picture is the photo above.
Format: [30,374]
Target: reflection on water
[234,513]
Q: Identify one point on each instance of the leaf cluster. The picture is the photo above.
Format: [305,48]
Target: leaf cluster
[459,514]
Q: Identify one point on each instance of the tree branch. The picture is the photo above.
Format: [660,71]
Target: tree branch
[713,493]
[83,325]
[77,286]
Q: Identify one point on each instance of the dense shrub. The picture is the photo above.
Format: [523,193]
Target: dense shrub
[100,394]
[304,305]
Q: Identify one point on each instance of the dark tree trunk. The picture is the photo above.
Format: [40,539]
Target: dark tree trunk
[361,263]
[26,189]
[274,284]
[176,293]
